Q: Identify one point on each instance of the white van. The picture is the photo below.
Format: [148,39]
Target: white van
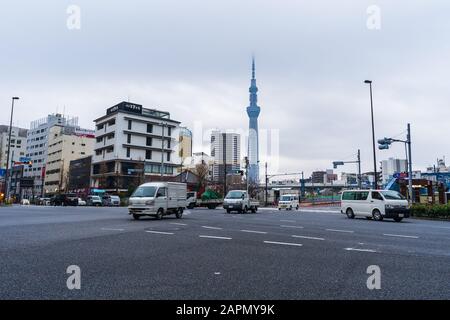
[376,204]
[158,199]
[288,202]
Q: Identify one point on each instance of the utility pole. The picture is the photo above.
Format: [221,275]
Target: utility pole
[9,150]
[408,139]
[265,201]
[246,173]
[373,137]
[162,150]
[359,170]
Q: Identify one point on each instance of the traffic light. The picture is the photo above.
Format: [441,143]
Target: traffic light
[337,163]
[384,143]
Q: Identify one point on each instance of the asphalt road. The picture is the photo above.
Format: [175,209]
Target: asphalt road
[208,254]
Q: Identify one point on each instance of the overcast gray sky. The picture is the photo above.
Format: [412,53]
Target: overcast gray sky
[192,58]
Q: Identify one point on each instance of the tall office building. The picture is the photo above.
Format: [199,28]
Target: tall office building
[37,148]
[18,144]
[253,141]
[133,145]
[392,166]
[185,141]
[226,152]
[65,143]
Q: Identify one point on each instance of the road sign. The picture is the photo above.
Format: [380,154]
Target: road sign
[24,159]
[400,175]
[2,172]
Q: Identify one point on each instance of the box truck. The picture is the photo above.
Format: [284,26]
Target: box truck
[158,199]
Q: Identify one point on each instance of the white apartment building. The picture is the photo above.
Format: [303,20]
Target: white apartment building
[133,145]
[226,152]
[18,144]
[392,166]
[65,144]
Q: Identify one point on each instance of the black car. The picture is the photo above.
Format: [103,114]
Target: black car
[65,199]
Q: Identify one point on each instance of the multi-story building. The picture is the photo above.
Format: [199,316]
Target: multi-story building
[37,148]
[65,143]
[185,144]
[323,176]
[392,166]
[18,144]
[226,152]
[200,158]
[133,145]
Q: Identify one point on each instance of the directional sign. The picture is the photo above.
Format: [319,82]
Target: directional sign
[400,175]
[2,172]
[24,159]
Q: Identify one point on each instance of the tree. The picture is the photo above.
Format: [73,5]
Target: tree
[202,171]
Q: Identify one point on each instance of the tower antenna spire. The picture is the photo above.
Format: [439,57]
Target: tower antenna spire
[253,66]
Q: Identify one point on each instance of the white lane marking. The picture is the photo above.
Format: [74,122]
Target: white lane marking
[179,224]
[216,273]
[337,230]
[288,221]
[284,243]
[112,229]
[254,231]
[400,236]
[361,250]
[158,232]
[214,228]
[298,227]
[320,211]
[310,238]
[215,237]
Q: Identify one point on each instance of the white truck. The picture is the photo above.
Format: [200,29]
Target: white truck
[238,200]
[158,199]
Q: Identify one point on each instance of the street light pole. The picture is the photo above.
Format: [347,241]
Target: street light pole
[266,188]
[9,149]
[373,137]
[408,139]
[359,170]
[162,149]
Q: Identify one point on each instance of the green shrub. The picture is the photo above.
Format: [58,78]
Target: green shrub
[439,211]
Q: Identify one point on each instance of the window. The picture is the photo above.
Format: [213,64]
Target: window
[148,154]
[168,156]
[169,131]
[348,196]
[362,196]
[168,144]
[100,126]
[149,141]
[149,128]
[129,124]
[129,138]
[99,139]
[98,152]
[128,152]
[377,196]
[161,192]
[111,122]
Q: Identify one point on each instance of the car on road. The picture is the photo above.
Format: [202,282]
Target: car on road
[64,199]
[110,201]
[95,201]
[374,204]
[158,199]
[44,201]
[81,202]
[239,200]
[288,202]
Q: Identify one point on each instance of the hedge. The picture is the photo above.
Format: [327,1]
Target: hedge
[438,211]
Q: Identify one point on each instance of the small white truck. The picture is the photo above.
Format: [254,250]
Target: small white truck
[238,200]
[158,199]
[193,202]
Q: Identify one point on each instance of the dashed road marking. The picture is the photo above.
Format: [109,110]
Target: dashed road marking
[179,224]
[288,221]
[215,237]
[159,232]
[284,243]
[307,237]
[361,250]
[400,236]
[337,230]
[285,226]
[254,231]
[214,228]
[112,229]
